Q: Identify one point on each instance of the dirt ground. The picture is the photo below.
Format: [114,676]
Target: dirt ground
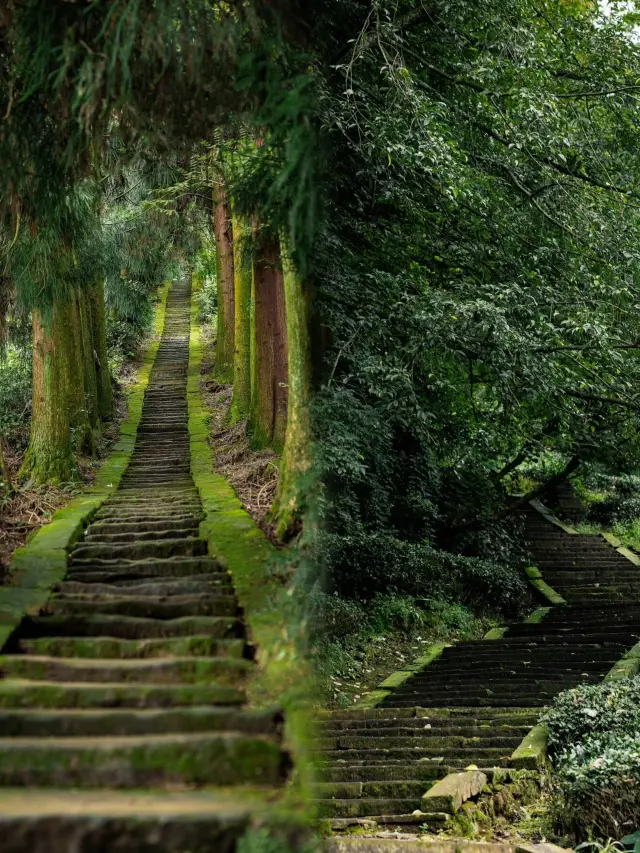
[252,473]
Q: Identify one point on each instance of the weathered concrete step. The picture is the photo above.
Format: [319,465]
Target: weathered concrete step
[162,587]
[48,821]
[22,693]
[421,771]
[412,752]
[120,722]
[165,567]
[428,714]
[98,537]
[111,647]
[137,550]
[167,522]
[133,762]
[134,628]
[167,670]
[149,607]
[530,700]
[149,514]
[365,808]
[392,790]
[429,730]
[425,742]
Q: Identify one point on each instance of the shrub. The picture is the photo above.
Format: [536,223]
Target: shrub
[364,565]
[623,504]
[594,743]
[600,784]
[593,709]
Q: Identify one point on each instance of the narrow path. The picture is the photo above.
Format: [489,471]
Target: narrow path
[477,701]
[133,675]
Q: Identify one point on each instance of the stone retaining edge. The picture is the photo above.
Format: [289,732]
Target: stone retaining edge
[243,549]
[36,567]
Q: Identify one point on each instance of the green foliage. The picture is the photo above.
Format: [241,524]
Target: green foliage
[477,275]
[593,710]
[266,840]
[363,565]
[15,397]
[594,743]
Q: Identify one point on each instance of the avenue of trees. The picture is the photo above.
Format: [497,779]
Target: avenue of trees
[426,224]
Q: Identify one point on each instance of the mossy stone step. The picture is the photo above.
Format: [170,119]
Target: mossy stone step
[140,761]
[427,743]
[111,647]
[364,807]
[424,773]
[190,547]
[100,536]
[167,522]
[157,588]
[151,607]
[170,567]
[21,693]
[88,723]
[132,627]
[392,790]
[48,821]
[412,752]
[483,732]
[168,670]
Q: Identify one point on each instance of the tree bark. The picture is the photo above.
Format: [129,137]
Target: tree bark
[4,467]
[82,433]
[225,281]
[49,458]
[100,355]
[269,389]
[295,464]
[241,400]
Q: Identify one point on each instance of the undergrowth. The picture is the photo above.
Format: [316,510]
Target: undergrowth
[359,643]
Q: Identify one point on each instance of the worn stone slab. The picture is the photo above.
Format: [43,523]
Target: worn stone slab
[448,794]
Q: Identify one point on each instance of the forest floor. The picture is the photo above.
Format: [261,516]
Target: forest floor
[252,473]
[353,667]
[30,507]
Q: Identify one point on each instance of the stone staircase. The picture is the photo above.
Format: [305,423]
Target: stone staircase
[475,703]
[126,693]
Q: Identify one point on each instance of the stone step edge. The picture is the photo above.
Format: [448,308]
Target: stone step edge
[35,568]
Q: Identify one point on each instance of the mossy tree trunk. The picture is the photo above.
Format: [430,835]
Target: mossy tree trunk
[241,400]
[295,465]
[88,359]
[100,357]
[49,458]
[83,439]
[225,280]
[270,381]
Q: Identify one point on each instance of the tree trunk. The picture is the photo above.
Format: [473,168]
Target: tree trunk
[268,398]
[49,458]
[241,401]
[82,433]
[99,355]
[296,458]
[88,360]
[5,471]
[225,282]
